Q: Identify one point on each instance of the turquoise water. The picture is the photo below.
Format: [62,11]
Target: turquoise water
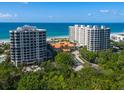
[54,29]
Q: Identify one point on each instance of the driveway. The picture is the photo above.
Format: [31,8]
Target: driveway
[78,62]
[76,54]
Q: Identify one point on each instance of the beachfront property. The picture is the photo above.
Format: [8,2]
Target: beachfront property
[1,43]
[28,45]
[95,38]
[117,37]
[65,46]
[4,41]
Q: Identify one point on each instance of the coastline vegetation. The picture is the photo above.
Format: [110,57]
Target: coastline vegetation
[59,75]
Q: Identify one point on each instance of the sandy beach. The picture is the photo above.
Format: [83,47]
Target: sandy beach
[5,40]
[117,33]
[55,37]
[48,38]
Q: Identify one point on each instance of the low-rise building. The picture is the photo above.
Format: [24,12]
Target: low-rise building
[64,46]
[1,43]
[117,37]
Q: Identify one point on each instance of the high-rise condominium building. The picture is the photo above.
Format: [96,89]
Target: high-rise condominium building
[93,37]
[28,45]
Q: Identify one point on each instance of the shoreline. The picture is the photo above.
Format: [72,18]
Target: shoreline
[48,38]
[117,33]
[4,40]
[56,37]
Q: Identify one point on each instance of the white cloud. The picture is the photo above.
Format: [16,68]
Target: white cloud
[89,14]
[122,14]
[104,11]
[25,2]
[7,15]
[50,17]
[114,12]
[15,15]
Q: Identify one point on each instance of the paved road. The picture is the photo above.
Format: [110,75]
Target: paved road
[76,53]
[78,62]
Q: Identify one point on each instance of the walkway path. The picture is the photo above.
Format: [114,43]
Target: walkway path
[77,54]
[78,62]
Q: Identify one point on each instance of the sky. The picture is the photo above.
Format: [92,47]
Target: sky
[61,12]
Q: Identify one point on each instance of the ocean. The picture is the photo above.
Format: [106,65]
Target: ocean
[55,29]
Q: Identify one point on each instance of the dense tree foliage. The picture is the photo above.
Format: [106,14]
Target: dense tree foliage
[111,68]
[60,75]
[3,48]
[89,56]
[29,81]
[50,77]
[64,58]
[120,44]
[9,76]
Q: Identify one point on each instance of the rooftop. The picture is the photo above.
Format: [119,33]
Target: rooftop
[91,26]
[121,34]
[63,44]
[27,28]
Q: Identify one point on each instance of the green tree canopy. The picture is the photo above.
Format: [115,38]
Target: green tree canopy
[64,58]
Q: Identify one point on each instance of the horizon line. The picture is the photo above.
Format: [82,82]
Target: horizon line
[61,22]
